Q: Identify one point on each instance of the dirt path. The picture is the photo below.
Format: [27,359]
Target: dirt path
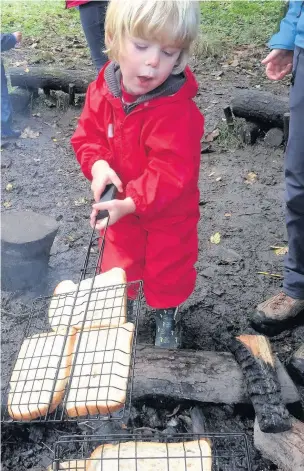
[249,217]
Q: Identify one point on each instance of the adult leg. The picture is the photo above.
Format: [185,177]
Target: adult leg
[6,107]
[92,16]
[289,303]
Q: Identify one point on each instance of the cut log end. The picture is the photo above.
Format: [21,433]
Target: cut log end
[254,355]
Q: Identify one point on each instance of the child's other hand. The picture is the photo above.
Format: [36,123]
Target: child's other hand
[103,175]
[18,36]
[116,208]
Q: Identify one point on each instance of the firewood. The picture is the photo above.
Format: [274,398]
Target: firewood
[274,137]
[202,376]
[261,107]
[249,132]
[285,449]
[253,353]
[198,420]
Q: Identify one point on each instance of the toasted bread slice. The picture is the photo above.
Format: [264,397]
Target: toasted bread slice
[194,455]
[35,377]
[101,373]
[103,304]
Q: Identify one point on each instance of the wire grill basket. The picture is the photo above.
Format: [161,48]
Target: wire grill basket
[76,361]
[182,452]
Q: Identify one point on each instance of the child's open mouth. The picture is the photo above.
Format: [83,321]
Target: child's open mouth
[143,79]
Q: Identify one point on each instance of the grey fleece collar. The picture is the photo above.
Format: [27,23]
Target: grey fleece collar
[169,87]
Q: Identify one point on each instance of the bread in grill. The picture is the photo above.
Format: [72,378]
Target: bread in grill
[101,373]
[105,305]
[34,376]
[194,455]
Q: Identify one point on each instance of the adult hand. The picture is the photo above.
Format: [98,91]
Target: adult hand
[116,208]
[18,36]
[278,63]
[103,175]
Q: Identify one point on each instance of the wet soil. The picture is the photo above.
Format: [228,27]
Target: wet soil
[248,216]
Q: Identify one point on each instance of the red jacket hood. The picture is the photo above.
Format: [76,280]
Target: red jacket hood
[75,3]
[187,91]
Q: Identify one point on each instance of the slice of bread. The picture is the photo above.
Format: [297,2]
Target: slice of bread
[34,375]
[100,377]
[194,455]
[106,305]
[72,465]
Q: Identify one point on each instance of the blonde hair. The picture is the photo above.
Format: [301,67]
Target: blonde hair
[173,22]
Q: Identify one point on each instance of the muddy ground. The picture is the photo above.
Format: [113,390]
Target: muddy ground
[249,217]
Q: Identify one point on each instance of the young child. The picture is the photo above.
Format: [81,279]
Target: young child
[141,130]
[8,41]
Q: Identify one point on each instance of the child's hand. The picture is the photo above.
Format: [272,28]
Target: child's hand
[18,36]
[116,208]
[103,175]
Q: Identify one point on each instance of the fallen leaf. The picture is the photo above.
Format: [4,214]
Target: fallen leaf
[9,187]
[7,204]
[266,273]
[81,201]
[251,178]
[175,410]
[27,70]
[29,133]
[215,238]
[210,174]
[234,63]
[212,135]
[227,215]
[36,115]
[279,250]
[218,179]
[54,139]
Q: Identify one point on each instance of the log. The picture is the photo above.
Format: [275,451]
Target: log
[253,353]
[296,365]
[286,119]
[213,377]
[262,107]
[51,79]
[229,117]
[285,449]
[274,137]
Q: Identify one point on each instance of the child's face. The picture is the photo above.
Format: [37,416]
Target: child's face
[146,64]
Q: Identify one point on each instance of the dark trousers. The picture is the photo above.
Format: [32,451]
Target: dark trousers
[92,16]
[294,181]
[6,107]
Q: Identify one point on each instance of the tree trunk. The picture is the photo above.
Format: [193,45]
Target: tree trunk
[263,108]
[198,376]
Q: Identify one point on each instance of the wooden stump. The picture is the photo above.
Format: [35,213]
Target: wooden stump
[285,449]
[213,377]
[274,137]
[254,355]
[26,241]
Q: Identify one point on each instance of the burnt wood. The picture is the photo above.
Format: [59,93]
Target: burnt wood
[262,107]
[199,424]
[249,132]
[202,376]
[285,449]
[296,365]
[254,355]
[51,79]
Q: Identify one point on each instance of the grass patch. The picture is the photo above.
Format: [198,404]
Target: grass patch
[37,18]
[231,23]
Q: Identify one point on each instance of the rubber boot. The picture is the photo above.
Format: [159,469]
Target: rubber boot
[168,328]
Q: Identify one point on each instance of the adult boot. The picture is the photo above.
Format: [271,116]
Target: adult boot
[277,313]
[168,328]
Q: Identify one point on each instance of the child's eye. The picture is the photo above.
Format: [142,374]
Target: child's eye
[141,47]
[169,54]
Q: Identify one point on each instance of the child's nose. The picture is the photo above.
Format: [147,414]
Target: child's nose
[153,59]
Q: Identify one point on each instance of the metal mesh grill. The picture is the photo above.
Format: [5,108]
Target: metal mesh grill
[182,452]
[76,361]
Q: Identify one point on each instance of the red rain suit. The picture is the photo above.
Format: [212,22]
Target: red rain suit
[155,150]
